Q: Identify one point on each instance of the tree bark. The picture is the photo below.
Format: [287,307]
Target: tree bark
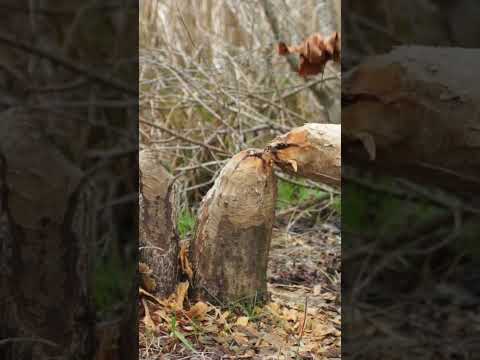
[128,342]
[158,235]
[312,151]
[415,110]
[43,217]
[230,250]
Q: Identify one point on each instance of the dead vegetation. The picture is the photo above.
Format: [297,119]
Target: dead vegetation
[301,320]
[204,98]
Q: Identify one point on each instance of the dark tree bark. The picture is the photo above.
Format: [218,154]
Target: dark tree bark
[159,243]
[128,344]
[43,218]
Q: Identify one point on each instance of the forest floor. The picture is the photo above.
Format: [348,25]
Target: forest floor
[302,320]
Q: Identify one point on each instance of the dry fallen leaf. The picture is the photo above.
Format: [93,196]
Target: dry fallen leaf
[223,317]
[274,340]
[249,330]
[240,338]
[242,321]
[274,308]
[143,292]
[184,263]
[161,314]
[147,320]
[290,314]
[210,328]
[178,297]
[249,354]
[198,311]
[321,330]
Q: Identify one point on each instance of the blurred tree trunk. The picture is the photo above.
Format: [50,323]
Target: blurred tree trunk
[128,343]
[415,111]
[158,235]
[48,211]
[42,219]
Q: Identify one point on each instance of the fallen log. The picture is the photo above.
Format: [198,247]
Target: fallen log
[230,249]
[159,243]
[312,151]
[415,112]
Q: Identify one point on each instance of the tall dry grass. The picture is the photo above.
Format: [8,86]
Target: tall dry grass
[211,83]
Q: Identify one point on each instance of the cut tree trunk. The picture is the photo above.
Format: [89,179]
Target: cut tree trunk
[415,112]
[312,151]
[43,216]
[159,243]
[230,250]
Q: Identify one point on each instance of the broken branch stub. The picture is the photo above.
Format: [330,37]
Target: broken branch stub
[230,250]
[159,243]
[312,151]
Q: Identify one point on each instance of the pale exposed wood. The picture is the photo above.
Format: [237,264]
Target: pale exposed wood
[312,151]
[417,110]
[158,236]
[232,240]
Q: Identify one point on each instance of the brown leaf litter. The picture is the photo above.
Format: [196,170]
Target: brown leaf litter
[302,320]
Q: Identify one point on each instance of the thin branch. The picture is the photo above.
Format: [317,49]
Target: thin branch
[68,64]
[184,138]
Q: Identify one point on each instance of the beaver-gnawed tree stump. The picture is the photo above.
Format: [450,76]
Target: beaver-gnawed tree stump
[159,243]
[312,151]
[230,250]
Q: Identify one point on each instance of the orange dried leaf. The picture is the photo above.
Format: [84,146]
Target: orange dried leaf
[147,320]
[199,310]
[315,51]
[178,297]
[184,263]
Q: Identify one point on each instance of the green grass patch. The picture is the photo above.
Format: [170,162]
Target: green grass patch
[186,223]
[381,214]
[290,194]
[177,334]
[112,282]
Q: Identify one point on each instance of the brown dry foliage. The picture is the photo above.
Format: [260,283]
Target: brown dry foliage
[315,51]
